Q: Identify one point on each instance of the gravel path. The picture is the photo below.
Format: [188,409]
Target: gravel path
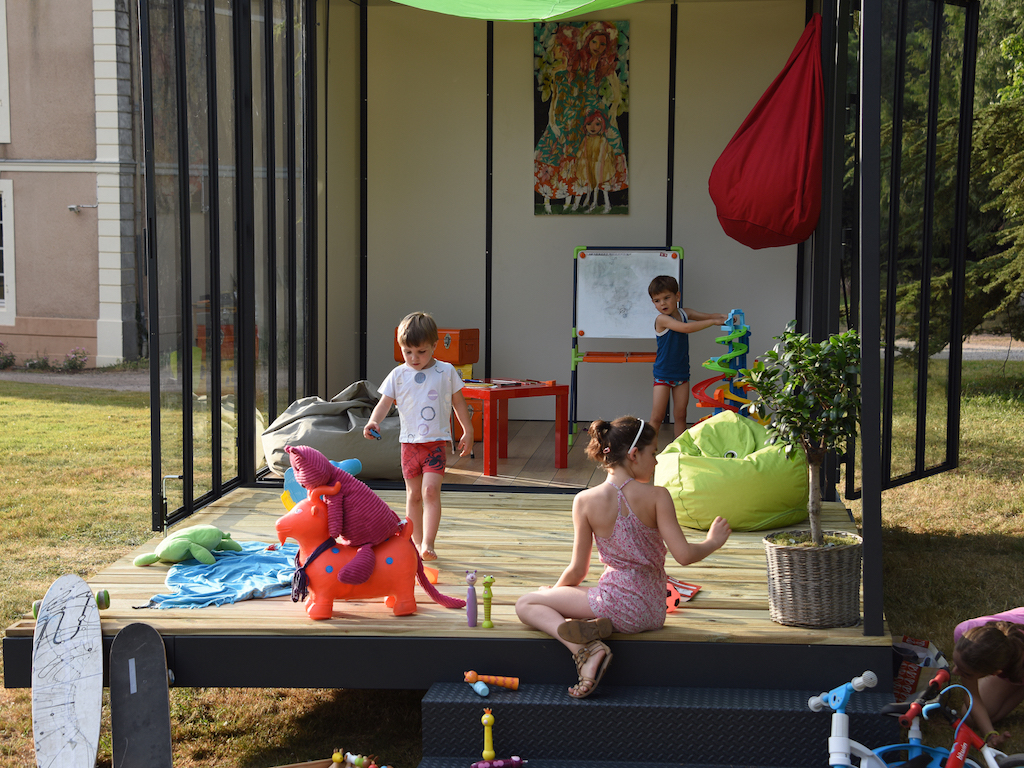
[124,381]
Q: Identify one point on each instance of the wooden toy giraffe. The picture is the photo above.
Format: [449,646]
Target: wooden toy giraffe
[512,683]
[488,722]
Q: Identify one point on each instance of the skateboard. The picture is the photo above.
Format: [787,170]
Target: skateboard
[67,676]
[140,715]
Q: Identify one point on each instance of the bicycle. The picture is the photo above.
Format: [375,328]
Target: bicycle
[918,755]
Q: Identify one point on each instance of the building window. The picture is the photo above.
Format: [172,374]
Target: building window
[5,84]
[7,308]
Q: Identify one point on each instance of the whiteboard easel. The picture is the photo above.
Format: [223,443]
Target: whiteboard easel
[610,301]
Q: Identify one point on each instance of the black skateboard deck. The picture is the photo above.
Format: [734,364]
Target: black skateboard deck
[140,715]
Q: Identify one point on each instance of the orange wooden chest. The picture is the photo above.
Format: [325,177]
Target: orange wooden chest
[457,346]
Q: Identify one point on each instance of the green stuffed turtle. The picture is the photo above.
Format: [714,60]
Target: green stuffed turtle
[197,541]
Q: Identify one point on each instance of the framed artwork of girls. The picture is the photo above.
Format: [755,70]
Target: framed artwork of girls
[581,117]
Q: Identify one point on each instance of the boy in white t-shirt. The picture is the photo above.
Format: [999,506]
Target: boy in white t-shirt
[426,391]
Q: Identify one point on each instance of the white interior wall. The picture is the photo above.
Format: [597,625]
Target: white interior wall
[426,146]
[426,149]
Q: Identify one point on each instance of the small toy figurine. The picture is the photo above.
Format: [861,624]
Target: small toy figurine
[488,722]
[471,598]
[488,624]
[513,762]
[512,683]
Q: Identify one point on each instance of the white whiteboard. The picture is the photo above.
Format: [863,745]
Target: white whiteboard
[612,301]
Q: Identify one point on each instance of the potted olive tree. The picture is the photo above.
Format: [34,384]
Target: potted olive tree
[809,391]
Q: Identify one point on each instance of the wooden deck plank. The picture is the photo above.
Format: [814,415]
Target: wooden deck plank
[523,539]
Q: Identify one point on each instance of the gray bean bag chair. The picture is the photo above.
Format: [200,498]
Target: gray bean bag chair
[335,428]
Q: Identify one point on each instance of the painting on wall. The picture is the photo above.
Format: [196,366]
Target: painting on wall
[581,117]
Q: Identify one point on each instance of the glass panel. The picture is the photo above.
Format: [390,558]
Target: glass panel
[281,116]
[908,258]
[263,291]
[170,343]
[228,217]
[203,326]
[940,328]
[300,244]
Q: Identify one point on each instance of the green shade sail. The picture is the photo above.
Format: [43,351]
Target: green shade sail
[515,10]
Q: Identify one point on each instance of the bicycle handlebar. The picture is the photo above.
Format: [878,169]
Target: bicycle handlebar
[934,686]
[837,697]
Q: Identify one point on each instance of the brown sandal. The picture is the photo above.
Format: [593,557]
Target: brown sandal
[583,631]
[580,657]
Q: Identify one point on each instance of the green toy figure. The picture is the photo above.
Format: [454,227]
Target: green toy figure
[487,623]
[197,541]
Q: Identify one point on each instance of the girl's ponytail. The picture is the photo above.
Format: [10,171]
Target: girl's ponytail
[610,444]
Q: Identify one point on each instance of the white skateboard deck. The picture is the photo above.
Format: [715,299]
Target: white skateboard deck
[67,676]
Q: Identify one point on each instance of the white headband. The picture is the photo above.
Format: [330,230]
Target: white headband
[635,439]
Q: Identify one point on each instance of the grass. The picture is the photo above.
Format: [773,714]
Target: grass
[76,498]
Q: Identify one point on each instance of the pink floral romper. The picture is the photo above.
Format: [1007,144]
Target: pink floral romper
[631,591]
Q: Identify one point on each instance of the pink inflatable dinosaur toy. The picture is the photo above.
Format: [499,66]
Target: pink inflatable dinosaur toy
[356,516]
[321,557]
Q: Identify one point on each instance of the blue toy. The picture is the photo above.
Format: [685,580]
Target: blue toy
[727,395]
[293,490]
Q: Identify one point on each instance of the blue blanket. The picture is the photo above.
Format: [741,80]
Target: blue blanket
[253,572]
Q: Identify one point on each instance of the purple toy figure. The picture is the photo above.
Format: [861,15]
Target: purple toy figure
[471,598]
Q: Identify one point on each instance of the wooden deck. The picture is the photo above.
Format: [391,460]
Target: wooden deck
[524,540]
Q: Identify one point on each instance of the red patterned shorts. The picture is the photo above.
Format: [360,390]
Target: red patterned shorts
[420,458]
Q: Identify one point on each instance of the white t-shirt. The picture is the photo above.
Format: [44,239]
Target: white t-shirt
[424,400]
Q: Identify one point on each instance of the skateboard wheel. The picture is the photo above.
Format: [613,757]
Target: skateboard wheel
[35,608]
[170,678]
[103,599]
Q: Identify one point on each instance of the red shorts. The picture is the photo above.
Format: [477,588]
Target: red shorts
[420,458]
[669,382]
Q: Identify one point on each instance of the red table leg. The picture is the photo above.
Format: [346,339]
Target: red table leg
[561,431]
[502,428]
[490,437]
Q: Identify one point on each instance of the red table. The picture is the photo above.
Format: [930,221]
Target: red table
[495,418]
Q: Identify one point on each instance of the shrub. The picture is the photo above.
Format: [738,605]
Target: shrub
[6,357]
[38,363]
[75,359]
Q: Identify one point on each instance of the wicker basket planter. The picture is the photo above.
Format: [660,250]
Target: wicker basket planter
[815,587]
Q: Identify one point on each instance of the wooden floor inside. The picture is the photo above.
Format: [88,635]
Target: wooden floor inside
[523,539]
[531,460]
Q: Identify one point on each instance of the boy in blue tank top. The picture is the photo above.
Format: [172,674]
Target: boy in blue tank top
[672,365]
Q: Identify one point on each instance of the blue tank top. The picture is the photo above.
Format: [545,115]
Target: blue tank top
[673,359]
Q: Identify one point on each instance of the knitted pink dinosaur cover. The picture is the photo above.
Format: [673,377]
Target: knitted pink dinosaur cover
[356,516]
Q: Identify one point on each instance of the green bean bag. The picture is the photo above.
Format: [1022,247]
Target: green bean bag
[722,466]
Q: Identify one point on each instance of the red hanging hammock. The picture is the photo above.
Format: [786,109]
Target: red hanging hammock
[766,185]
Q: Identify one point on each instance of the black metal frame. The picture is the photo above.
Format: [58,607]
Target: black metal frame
[821,261]
[958,245]
[245,235]
[359,662]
